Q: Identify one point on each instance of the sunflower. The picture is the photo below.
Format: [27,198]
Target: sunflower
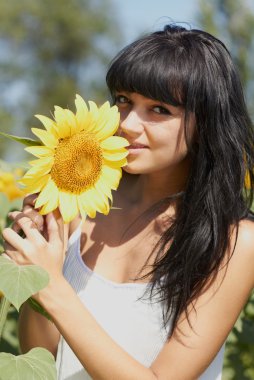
[79,161]
[8,184]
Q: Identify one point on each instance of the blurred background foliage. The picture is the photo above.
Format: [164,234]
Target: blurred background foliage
[51,50]
[232,21]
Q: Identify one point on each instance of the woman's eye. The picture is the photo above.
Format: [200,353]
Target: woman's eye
[121,99]
[161,110]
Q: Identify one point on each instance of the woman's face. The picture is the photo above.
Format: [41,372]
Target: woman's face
[155,131]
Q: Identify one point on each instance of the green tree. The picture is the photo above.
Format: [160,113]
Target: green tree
[50,51]
[233,22]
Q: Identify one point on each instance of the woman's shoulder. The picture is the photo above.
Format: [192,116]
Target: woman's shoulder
[245,237]
[243,254]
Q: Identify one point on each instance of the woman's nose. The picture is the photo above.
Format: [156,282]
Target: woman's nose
[131,123]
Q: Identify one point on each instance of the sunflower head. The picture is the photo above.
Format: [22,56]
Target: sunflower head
[79,162]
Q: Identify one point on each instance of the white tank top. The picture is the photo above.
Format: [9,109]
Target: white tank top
[135,324]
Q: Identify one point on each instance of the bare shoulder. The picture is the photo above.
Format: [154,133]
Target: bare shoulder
[241,263]
[246,233]
[245,241]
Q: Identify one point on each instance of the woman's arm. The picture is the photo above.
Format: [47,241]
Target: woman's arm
[36,331]
[191,350]
[185,359]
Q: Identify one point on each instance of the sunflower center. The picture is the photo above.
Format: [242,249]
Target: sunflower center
[77,163]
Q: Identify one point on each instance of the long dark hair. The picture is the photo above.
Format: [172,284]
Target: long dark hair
[193,69]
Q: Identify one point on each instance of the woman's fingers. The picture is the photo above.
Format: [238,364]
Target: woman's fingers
[30,211]
[57,231]
[53,227]
[24,223]
[7,246]
[35,216]
[16,246]
[31,214]
[29,200]
[9,250]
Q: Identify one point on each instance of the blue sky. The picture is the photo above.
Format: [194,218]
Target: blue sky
[139,16]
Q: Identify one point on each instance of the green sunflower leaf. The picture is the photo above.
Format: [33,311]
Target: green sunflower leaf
[20,282]
[23,140]
[37,307]
[37,364]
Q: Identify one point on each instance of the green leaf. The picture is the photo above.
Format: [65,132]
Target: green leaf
[37,364]
[23,140]
[37,307]
[19,282]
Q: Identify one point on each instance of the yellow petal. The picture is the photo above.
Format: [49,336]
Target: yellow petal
[109,127]
[115,155]
[40,151]
[36,185]
[104,198]
[63,129]
[103,121]
[93,109]
[48,195]
[82,112]
[59,115]
[47,138]
[104,187]
[105,112]
[85,206]
[48,207]
[49,124]
[44,161]
[111,176]
[27,181]
[68,206]
[114,142]
[36,171]
[116,164]
[92,199]
[82,211]
[71,121]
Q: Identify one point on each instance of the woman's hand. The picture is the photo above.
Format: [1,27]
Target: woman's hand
[29,210]
[46,251]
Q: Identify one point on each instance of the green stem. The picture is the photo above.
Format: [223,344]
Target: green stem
[4,308]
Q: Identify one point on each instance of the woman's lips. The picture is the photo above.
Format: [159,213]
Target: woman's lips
[136,146]
[135,149]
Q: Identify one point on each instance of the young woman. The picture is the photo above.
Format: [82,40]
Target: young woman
[152,290]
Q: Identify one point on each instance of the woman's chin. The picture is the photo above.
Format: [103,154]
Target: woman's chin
[130,169]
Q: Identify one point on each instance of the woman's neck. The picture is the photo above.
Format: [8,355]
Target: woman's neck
[147,189]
